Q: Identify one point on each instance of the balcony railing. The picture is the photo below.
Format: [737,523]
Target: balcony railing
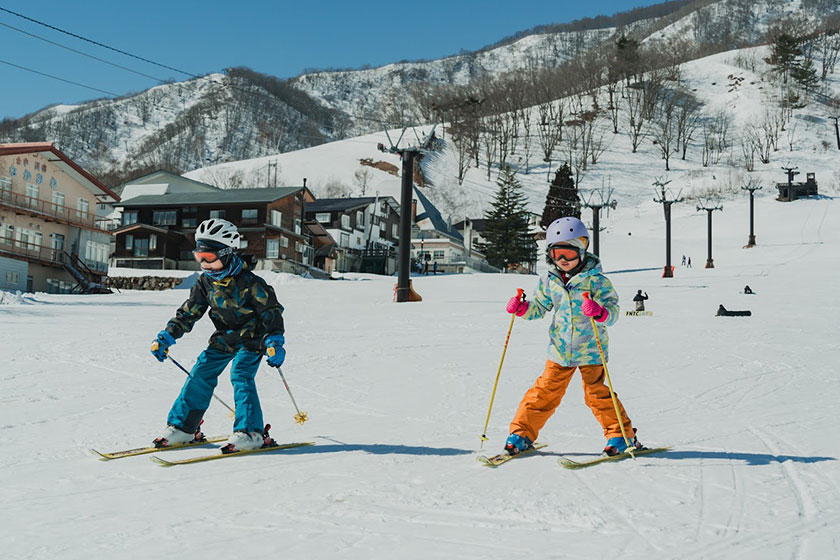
[50,210]
[42,253]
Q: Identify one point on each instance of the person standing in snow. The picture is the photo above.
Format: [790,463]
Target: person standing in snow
[639,299]
[572,340]
[249,323]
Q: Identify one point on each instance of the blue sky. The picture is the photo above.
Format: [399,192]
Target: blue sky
[281,38]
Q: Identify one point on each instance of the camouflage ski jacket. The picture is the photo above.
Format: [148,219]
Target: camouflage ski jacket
[572,340]
[243,308]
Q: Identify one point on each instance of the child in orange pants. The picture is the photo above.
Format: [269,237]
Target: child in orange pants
[573,342]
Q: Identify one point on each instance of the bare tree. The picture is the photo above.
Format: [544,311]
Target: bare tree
[637,127]
[688,119]
[665,129]
[362,177]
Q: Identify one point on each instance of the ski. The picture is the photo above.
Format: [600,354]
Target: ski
[151,449]
[503,458]
[569,464]
[220,455]
[638,313]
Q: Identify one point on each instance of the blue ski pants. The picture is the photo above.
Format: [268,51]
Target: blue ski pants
[192,403]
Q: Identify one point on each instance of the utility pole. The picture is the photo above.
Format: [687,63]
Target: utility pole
[836,129]
[604,200]
[666,206]
[406,196]
[791,173]
[751,186]
[710,205]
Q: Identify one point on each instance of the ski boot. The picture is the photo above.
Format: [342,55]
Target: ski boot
[516,444]
[617,445]
[173,435]
[243,440]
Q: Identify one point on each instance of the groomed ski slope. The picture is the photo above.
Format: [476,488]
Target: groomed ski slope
[397,397]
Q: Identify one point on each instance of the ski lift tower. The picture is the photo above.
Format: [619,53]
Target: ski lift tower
[596,200]
[751,186]
[666,206]
[710,204]
[408,153]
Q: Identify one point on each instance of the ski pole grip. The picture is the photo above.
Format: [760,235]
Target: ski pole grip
[520,293]
[585,295]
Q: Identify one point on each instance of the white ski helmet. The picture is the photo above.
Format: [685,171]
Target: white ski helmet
[567,231]
[218,230]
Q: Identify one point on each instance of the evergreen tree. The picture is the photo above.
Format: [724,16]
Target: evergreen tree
[562,199]
[784,53]
[508,239]
[804,74]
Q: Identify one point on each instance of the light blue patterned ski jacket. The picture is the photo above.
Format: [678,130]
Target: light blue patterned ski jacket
[572,339]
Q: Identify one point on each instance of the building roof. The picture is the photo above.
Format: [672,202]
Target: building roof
[219,196]
[433,214]
[479,224]
[56,156]
[163,177]
[339,204]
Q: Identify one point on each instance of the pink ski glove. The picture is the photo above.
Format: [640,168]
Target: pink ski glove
[592,309]
[516,305]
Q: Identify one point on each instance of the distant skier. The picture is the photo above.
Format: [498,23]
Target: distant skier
[572,341]
[248,321]
[689,263]
[683,261]
[640,300]
[748,290]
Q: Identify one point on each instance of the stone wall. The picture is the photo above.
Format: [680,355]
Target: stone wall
[142,282]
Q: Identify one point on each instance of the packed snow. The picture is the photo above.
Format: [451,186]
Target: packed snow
[397,396]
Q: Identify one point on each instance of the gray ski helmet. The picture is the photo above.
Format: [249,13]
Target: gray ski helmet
[567,231]
[218,230]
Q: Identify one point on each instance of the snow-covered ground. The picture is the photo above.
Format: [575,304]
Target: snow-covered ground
[397,397]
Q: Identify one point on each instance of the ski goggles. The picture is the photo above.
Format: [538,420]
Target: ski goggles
[564,252]
[203,255]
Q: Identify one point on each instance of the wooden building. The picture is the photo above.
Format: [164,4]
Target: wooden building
[157,230]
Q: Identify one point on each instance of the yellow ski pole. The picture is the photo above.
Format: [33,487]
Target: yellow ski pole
[520,294]
[609,383]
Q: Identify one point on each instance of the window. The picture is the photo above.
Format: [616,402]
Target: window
[284,241]
[345,240]
[32,194]
[439,254]
[7,234]
[82,208]
[276,218]
[188,222]
[323,217]
[297,226]
[249,216]
[220,214]
[383,208]
[164,217]
[96,252]
[141,247]
[298,247]
[5,184]
[395,231]
[243,243]
[12,277]
[152,242]
[58,202]
[129,218]
[272,248]
[129,241]
[345,221]
[360,219]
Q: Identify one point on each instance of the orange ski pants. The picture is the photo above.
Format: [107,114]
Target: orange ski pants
[541,400]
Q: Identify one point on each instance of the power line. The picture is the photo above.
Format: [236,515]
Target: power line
[60,79]
[81,53]
[97,43]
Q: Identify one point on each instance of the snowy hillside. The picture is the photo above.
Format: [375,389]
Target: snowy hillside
[720,84]
[397,397]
